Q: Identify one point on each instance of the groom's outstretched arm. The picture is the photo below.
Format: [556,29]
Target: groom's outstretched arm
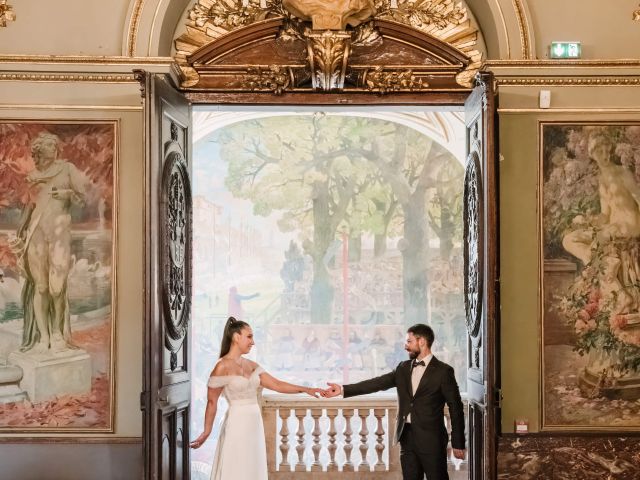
[383,382]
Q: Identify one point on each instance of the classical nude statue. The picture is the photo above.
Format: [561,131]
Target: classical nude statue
[619,220]
[43,247]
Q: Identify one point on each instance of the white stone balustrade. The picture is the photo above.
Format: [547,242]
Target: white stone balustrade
[315,438]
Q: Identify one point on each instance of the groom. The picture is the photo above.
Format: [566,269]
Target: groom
[424,384]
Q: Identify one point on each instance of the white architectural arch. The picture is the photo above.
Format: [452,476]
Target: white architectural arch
[151,26]
[446,128]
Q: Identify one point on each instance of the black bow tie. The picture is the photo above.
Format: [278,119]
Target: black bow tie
[416,363]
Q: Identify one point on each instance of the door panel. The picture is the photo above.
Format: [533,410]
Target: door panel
[166,395]
[481,277]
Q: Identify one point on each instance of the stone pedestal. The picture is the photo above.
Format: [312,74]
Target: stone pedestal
[559,275]
[10,377]
[598,378]
[47,375]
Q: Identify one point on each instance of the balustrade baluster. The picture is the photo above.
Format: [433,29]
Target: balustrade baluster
[284,413]
[300,414]
[347,413]
[379,414]
[316,466]
[332,466]
[363,413]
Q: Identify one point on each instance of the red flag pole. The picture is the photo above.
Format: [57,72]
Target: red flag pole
[345,306]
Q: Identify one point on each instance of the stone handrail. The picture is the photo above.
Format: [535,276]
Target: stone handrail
[314,438]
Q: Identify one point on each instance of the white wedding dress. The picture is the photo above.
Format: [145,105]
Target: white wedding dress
[241,453]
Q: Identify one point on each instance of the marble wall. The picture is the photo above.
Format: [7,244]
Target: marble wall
[547,457]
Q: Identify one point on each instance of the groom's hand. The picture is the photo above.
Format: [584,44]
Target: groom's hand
[333,391]
[459,453]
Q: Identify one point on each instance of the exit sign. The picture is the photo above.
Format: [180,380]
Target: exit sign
[565,50]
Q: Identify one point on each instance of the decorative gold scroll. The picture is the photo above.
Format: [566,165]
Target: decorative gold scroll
[445,20]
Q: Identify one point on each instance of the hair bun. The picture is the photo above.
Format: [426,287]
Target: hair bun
[232,320]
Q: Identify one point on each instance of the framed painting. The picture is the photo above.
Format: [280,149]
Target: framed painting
[58,206]
[590,270]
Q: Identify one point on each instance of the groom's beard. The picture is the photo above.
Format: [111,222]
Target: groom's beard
[413,354]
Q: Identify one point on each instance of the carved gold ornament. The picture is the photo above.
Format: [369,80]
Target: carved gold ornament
[275,79]
[636,15]
[383,81]
[331,14]
[328,55]
[336,28]
[6,13]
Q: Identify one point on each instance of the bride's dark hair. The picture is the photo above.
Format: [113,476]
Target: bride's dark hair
[232,326]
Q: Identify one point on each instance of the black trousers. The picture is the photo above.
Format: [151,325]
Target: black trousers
[416,465]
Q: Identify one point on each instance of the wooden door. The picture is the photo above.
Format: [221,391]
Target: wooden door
[168,221]
[481,240]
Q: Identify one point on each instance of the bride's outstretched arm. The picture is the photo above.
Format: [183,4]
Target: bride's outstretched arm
[209,415]
[272,383]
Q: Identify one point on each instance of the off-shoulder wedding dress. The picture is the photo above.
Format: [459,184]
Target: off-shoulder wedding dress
[241,452]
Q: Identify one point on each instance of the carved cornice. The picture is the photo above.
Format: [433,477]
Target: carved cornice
[66,77]
[85,59]
[594,63]
[620,81]
[6,13]
[214,29]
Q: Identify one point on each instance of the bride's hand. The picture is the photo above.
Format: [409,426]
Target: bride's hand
[314,392]
[197,443]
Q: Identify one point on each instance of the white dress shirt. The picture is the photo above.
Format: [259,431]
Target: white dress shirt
[416,376]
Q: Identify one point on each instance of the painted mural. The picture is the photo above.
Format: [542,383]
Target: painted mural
[57,233]
[591,276]
[330,234]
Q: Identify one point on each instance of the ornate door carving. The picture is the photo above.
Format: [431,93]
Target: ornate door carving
[481,286]
[306,46]
[167,386]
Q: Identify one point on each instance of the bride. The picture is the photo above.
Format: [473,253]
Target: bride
[238,380]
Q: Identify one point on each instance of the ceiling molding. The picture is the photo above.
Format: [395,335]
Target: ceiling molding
[85,59]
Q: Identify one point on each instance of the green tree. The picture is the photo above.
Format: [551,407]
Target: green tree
[409,163]
[445,207]
[330,175]
[299,167]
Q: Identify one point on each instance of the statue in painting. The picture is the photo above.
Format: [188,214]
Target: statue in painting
[43,247]
[618,221]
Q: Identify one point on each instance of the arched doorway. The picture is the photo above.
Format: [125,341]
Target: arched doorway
[296,53]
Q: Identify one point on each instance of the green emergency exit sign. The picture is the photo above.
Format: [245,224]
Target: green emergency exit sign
[566,50]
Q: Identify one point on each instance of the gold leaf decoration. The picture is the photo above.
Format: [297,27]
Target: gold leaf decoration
[446,20]
[275,79]
[385,81]
[6,13]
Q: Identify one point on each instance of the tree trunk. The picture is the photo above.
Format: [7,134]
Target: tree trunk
[447,229]
[321,288]
[380,240]
[380,245]
[414,260]
[321,293]
[355,248]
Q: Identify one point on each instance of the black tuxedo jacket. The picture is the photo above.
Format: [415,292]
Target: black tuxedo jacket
[437,387]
